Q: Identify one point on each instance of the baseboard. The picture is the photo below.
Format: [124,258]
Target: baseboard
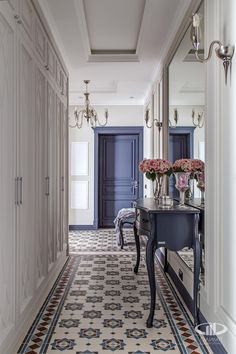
[16,336]
[82,227]
[213,341]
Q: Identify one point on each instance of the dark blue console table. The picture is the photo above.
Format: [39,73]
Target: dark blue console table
[174,229]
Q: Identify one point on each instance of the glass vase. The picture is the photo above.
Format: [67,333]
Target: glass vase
[201,185]
[182,184]
[190,192]
[157,187]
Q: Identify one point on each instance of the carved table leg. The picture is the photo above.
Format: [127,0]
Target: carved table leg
[197,266]
[150,251]
[166,262]
[137,243]
[121,235]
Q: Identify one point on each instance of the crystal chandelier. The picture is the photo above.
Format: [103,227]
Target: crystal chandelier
[88,112]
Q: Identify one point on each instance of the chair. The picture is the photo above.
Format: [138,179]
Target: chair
[124,216]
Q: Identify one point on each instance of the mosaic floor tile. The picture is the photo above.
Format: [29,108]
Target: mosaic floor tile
[98,305]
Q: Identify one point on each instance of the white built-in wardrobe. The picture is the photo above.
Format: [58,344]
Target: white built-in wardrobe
[33,166]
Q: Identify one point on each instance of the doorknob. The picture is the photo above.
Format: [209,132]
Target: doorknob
[135,184]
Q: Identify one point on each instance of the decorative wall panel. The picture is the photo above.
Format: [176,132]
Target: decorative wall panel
[79,158]
[79,194]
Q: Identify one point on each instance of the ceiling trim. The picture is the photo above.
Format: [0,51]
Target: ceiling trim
[95,58]
[141,29]
[80,12]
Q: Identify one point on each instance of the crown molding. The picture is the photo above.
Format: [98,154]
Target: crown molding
[80,13]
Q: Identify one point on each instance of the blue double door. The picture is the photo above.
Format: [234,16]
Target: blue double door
[120,182]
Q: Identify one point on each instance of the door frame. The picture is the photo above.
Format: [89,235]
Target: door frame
[138,130]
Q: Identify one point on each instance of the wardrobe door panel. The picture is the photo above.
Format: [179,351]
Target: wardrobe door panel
[40,41]
[51,61]
[64,226]
[7,174]
[51,175]
[26,17]
[41,173]
[26,171]
[58,176]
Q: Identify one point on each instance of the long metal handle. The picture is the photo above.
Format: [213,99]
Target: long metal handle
[16,191]
[21,190]
[47,186]
[62,184]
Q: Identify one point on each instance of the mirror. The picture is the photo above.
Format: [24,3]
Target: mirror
[187,120]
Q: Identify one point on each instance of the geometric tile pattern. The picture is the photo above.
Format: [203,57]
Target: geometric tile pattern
[98,305]
[103,241]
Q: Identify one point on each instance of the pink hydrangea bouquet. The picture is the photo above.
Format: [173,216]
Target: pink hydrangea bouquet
[182,165]
[197,165]
[154,168]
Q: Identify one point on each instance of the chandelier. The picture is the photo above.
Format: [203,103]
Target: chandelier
[88,113]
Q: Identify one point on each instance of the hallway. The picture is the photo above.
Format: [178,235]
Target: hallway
[99,305]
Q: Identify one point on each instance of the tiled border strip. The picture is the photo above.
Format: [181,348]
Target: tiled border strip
[161,275]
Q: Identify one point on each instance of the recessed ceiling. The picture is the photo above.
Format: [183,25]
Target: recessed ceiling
[117,44]
[113,26]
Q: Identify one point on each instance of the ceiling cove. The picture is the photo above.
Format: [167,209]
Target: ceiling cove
[124,29]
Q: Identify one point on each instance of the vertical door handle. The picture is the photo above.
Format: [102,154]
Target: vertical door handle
[134,186]
[17,190]
[21,190]
[47,186]
[62,184]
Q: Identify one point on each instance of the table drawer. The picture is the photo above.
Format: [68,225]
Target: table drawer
[143,220]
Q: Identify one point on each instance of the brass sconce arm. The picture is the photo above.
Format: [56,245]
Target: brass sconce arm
[155,122]
[223,52]
[176,118]
[200,119]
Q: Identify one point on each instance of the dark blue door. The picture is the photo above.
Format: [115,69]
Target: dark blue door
[180,147]
[120,182]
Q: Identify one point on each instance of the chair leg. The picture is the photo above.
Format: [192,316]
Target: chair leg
[121,235]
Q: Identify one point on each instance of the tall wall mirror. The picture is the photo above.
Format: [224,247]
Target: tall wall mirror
[186,132]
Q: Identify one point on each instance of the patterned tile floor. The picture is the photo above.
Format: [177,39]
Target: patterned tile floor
[98,305]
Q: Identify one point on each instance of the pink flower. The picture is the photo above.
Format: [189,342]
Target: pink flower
[155,166]
[197,165]
[182,165]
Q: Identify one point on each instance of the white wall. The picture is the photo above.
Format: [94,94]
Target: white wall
[219,298]
[118,116]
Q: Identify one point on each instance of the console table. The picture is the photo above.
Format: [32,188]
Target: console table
[174,229]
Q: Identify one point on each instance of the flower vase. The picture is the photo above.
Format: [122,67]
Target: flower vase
[182,184]
[202,198]
[201,186]
[190,192]
[157,187]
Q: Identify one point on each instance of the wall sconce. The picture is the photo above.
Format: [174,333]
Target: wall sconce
[155,122]
[225,53]
[200,119]
[176,118]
